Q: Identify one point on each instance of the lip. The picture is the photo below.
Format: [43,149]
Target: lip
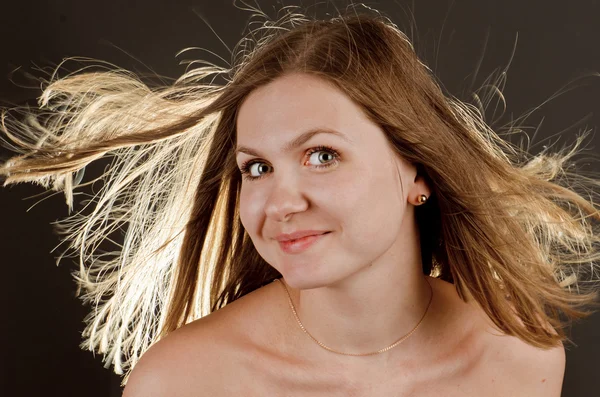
[300,244]
[298,235]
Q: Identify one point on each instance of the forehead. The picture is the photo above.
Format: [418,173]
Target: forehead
[293,104]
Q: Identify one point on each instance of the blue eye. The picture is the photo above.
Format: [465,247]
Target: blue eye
[330,160]
[320,157]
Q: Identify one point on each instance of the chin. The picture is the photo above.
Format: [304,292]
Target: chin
[308,279]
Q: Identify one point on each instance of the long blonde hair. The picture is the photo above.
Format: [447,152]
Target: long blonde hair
[509,229]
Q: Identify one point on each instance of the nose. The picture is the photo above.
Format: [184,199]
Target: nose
[284,199]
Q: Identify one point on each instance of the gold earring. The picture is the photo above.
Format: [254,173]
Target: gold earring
[422,198]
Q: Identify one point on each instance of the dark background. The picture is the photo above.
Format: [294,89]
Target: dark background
[557,42]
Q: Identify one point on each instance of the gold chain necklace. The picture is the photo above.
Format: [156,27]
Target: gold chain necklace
[357,354]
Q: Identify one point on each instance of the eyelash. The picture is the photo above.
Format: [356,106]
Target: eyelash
[245,168]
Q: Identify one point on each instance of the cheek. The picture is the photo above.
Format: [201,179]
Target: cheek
[371,209]
[249,215]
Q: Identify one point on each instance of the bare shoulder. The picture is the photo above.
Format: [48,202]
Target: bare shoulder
[194,360]
[167,367]
[522,369]
[501,364]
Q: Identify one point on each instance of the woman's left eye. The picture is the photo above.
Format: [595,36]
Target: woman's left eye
[316,155]
[328,153]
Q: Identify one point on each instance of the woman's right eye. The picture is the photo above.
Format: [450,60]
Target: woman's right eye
[247,168]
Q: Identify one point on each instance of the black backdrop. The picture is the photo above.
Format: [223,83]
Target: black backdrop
[43,320]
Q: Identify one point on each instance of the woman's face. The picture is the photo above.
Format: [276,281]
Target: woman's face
[346,183]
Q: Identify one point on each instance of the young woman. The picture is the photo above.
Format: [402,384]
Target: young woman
[326,222]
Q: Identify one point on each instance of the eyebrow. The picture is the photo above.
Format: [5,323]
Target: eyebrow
[296,142]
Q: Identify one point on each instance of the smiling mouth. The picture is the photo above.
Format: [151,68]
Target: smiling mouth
[301,238]
[298,245]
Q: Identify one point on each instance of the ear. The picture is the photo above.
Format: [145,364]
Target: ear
[421,184]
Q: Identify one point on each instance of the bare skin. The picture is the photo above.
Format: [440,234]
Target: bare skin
[285,361]
[358,289]
[254,347]
[350,184]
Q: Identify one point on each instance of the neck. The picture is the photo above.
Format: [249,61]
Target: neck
[366,312]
